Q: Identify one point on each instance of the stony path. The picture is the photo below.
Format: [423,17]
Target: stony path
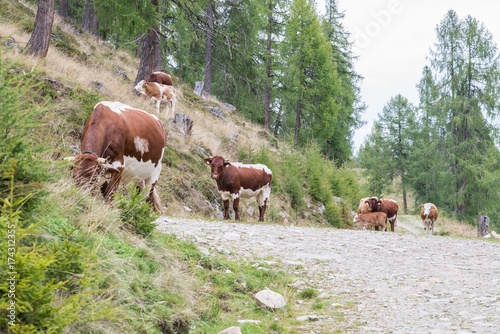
[377,282]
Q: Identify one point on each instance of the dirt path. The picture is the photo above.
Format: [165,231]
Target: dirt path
[376,282]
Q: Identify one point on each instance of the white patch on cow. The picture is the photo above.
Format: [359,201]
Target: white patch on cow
[115,106]
[427,209]
[226,195]
[144,173]
[141,145]
[256,166]
[115,165]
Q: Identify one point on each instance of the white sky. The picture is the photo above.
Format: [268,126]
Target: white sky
[392,39]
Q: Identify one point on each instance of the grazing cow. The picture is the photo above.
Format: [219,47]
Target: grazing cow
[235,180]
[429,214]
[160,77]
[159,93]
[124,143]
[389,206]
[371,220]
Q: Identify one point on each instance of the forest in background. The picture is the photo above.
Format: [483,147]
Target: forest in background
[445,149]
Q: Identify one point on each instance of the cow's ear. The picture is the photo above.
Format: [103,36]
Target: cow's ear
[208,161]
[226,163]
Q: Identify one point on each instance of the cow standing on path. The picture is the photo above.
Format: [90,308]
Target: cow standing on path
[389,206]
[429,214]
[235,180]
[125,143]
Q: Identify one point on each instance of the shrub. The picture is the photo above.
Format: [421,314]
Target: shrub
[135,211]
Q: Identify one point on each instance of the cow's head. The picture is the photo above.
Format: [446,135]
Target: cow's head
[217,165]
[140,87]
[373,203]
[87,168]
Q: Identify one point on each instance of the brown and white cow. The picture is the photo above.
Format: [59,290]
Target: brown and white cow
[160,77]
[124,143]
[371,220]
[429,214]
[235,180]
[389,206]
[159,93]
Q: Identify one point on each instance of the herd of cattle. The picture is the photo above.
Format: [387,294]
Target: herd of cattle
[124,144]
[376,213]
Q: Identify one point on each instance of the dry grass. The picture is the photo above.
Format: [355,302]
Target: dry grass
[456,229]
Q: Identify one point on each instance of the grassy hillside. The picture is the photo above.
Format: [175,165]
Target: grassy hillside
[83,266]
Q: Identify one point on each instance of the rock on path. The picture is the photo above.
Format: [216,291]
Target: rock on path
[380,282]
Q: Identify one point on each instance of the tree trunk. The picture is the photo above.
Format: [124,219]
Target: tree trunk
[89,21]
[38,45]
[151,52]
[297,122]
[208,48]
[483,226]
[267,91]
[63,9]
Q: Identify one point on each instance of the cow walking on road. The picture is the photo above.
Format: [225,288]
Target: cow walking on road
[235,180]
[429,214]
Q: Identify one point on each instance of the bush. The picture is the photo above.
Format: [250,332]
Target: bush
[135,211]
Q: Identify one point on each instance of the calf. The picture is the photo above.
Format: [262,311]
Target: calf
[160,77]
[235,180]
[429,214]
[159,93]
[371,220]
[389,206]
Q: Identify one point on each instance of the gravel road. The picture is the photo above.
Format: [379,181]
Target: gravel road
[375,282]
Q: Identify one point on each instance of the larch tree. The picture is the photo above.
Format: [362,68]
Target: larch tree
[349,97]
[311,82]
[466,67]
[38,44]
[391,142]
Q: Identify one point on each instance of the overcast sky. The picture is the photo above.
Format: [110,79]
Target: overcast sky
[392,39]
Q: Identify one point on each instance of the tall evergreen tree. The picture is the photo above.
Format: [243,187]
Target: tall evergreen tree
[392,142]
[311,82]
[349,96]
[466,66]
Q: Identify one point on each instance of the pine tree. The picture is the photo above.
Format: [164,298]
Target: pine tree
[466,68]
[392,137]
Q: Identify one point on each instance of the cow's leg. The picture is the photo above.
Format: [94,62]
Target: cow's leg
[226,209]
[263,201]
[262,210]
[157,106]
[236,203]
[172,111]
